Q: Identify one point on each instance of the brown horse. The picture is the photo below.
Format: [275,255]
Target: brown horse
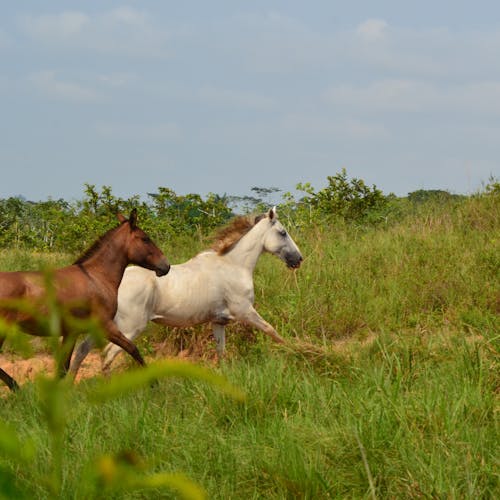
[88,288]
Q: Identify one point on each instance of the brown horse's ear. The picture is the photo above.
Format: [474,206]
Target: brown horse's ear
[120,217]
[132,220]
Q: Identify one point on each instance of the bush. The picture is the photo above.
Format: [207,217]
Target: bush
[348,200]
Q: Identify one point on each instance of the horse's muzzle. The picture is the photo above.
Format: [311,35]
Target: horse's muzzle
[293,262]
[162,268]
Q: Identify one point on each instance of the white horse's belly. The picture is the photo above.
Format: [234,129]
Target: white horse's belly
[187,297]
[179,320]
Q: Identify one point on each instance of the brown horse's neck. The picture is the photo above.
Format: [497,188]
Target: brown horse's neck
[107,259]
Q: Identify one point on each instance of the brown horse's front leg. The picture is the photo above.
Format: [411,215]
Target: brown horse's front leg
[8,380]
[4,376]
[114,335]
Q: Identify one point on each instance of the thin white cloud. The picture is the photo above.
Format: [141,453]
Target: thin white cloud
[425,53]
[124,31]
[474,97]
[307,126]
[157,132]
[270,43]
[116,80]
[128,15]
[385,95]
[55,27]
[372,30]
[234,98]
[48,83]
[277,44]
[5,40]
[400,95]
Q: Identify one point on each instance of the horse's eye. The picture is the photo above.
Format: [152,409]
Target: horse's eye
[283,233]
[146,239]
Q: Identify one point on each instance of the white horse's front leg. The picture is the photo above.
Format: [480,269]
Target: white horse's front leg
[219,332]
[253,318]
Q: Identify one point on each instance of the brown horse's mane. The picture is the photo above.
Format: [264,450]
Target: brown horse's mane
[96,246]
[228,236]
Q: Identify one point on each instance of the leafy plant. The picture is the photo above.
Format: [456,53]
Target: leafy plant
[348,199]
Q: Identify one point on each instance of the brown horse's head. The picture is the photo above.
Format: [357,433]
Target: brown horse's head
[141,250]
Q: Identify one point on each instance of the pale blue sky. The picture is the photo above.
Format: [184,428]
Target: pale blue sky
[221,96]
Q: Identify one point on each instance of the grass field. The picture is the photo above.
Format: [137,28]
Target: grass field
[387,386]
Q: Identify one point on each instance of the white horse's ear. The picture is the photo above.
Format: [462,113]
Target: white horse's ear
[272,213]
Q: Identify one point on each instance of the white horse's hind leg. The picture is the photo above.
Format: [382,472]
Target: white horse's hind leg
[110,352]
[253,318]
[81,353]
[219,332]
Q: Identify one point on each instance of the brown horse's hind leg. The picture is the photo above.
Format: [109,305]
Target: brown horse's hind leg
[114,335]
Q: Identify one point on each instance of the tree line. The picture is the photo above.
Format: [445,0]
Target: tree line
[59,225]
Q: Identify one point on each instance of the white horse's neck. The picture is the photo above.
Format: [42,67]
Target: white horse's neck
[248,249]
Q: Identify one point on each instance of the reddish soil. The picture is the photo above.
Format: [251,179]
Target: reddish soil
[27,369]
[23,370]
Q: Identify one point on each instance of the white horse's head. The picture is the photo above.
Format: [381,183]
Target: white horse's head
[278,242]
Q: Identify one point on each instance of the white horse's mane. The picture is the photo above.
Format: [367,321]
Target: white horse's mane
[228,236]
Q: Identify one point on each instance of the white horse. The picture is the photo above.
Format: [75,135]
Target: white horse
[215,286]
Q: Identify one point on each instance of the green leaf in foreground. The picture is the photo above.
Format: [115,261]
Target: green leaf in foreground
[115,476]
[133,380]
[12,447]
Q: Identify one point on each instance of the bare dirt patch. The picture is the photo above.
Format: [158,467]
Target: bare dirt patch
[26,370]
[42,363]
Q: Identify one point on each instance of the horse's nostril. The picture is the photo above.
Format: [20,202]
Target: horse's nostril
[162,269]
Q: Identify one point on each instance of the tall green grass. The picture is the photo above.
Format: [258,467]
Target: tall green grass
[387,386]
[414,415]
[430,270]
